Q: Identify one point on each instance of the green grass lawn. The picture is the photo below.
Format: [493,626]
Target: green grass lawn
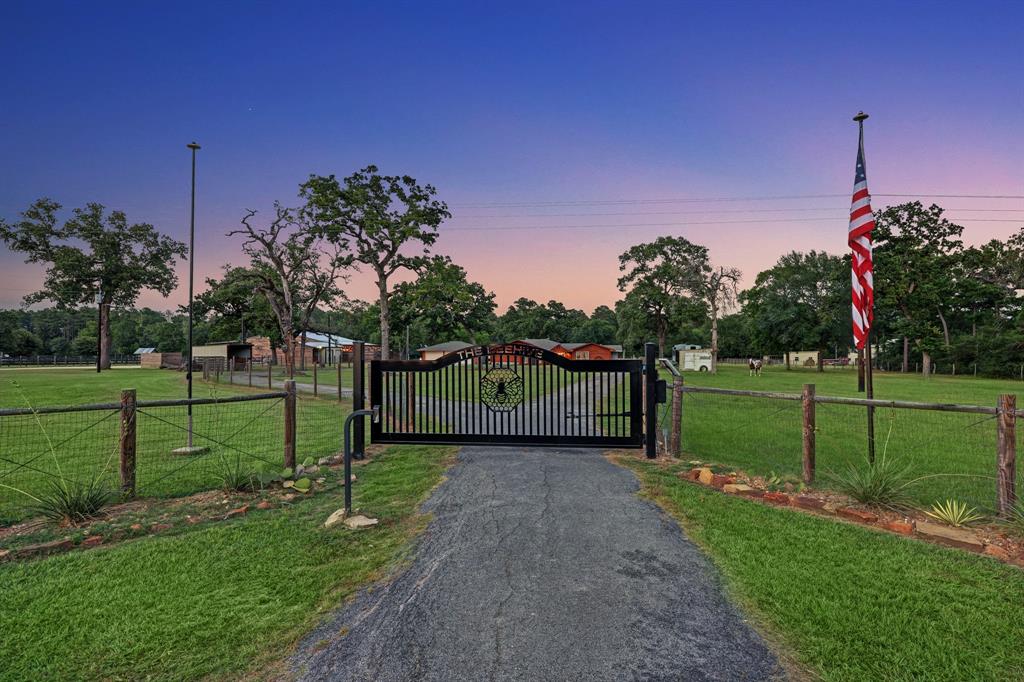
[86,443]
[852,604]
[215,601]
[956,452]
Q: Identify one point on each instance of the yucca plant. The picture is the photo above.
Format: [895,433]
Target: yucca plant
[70,502]
[954,513]
[883,483]
[1015,517]
[238,476]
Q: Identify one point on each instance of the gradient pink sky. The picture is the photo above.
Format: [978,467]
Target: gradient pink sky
[562,105]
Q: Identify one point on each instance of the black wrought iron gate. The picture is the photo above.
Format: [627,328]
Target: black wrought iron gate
[508,394]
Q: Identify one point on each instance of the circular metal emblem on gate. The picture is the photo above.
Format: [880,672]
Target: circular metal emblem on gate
[501,389]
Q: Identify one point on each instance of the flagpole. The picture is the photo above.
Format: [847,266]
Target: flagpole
[869,383]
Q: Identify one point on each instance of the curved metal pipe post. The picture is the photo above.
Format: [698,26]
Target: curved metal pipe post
[347,452]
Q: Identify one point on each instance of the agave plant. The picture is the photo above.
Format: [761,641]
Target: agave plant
[954,513]
[238,476]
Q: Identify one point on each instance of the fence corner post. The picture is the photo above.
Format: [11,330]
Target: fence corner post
[676,439]
[809,426]
[1006,455]
[128,440]
[289,424]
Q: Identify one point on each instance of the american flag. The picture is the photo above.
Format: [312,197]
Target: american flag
[862,222]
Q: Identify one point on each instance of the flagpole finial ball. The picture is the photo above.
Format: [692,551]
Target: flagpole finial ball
[861,116]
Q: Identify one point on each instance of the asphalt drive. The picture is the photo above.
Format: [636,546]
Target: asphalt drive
[541,564]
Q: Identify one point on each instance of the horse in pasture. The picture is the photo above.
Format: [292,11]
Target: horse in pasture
[755,367]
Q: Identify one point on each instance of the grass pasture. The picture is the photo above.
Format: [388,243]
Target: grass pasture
[953,454]
[86,443]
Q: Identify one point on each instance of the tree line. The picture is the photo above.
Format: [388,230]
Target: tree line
[937,300]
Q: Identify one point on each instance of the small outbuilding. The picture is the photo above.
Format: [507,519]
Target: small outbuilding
[225,354]
[150,359]
[439,350]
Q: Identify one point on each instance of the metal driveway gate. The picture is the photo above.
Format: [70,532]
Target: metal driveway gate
[511,394]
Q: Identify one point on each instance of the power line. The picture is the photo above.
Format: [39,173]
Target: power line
[1019,221]
[836,209]
[610,202]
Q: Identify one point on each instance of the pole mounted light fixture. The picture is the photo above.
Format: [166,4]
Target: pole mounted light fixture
[190,449]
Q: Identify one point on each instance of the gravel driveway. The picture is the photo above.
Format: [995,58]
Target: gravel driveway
[542,564]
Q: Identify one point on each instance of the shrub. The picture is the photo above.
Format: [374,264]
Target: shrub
[71,502]
[882,483]
[954,513]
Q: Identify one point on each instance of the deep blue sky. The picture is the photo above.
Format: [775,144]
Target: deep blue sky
[516,102]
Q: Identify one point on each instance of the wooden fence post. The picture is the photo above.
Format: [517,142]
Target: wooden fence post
[289,424]
[339,379]
[316,384]
[808,405]
[675,439]
[127,444]
[270,374]
[1006,455]
[248,366]
[231,371]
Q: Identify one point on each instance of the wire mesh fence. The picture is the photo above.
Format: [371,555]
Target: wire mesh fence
[76,445]
[38,450]
[946,454]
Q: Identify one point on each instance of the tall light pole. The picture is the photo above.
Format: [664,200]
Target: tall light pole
[191,283]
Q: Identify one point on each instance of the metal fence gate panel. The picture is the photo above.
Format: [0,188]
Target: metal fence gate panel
[508,394]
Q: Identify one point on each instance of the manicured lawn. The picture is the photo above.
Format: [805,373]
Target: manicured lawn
[956,452]
[214,601]
[86,443]
[852,604]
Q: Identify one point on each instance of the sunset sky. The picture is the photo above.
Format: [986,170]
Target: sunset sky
[559,133]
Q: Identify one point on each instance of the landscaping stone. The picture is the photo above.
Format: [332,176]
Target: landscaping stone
[310,469]
[997,552]
[953,537]
[705,476]
[264,504]
[691,475]
[4,553]
[718,480]
[92,541]
[135,527]
[159,527]
[288,497]
[46,548]
[288,484]
[360,521]
[193,520]
[244,509]
[736,488]
[335,518]
[807,502]
[858,515]
[776,498]
[901,527]
[321,480]
[323,461]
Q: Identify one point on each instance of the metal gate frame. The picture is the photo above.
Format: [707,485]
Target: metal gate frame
[637,437]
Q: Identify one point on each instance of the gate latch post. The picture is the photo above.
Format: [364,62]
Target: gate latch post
[347,451]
